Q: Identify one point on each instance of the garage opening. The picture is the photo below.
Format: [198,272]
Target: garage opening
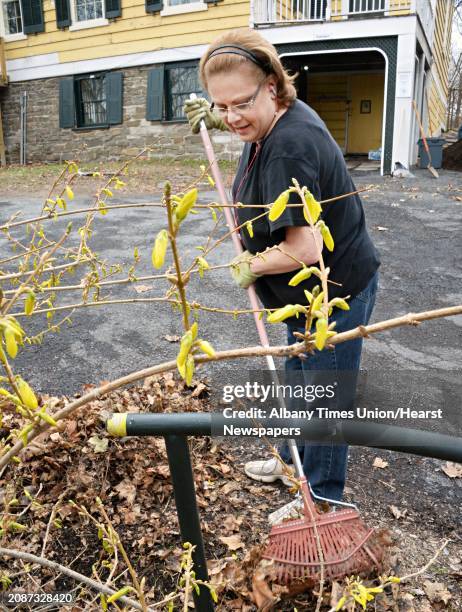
[347,90]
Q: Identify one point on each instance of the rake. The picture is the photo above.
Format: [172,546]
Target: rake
[430,168]
[338,540]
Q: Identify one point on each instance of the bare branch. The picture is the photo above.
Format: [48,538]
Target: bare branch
[254,351]
[18,554]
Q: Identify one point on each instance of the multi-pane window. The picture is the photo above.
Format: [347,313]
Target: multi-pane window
[12,16]
[181,83]
[91,107]
[91,101]
[85,10]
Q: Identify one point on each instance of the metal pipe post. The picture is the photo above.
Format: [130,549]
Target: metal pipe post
[188,516]
[372,435]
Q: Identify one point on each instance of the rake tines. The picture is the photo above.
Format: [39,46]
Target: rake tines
[347,545]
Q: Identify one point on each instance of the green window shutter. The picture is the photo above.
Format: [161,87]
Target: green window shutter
[66,103]
[113,9]
[63,13]
[155,94]
[114,97]
[32,15]
[153,6]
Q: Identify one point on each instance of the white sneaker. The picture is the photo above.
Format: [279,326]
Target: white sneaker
[267,471]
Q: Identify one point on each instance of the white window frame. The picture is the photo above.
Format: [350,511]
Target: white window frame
[178,9]
[10,37]
[89,23]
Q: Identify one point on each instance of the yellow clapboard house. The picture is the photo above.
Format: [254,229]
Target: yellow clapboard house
[102,78]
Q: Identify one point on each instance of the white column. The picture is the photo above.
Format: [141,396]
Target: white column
[403,136]
[252,14]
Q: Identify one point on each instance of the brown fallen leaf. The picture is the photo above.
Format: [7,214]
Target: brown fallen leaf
[231,523]
[142,288]
[261,592]
[126,490]
[227,572]
[407,602]
[202,503]
[215,566]
[170,338]
[235,604]
[335,594]
[99,445]
[233,542]
[229,487]
[198,390]
[163,470]
[397,513]
[380,463]
[453,470]
[436,591]
[225,468]
[66,510]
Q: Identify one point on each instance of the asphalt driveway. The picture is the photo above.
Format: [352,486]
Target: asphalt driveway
[417,226]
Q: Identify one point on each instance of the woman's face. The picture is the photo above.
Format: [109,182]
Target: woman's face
[239,86]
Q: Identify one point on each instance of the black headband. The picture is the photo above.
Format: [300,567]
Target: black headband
[243,52]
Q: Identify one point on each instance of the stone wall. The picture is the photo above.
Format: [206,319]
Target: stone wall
[46,142]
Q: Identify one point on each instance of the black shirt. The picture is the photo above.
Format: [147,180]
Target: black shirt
[300,146]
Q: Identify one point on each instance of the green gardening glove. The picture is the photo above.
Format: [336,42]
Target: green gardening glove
[240,270]
[198,110]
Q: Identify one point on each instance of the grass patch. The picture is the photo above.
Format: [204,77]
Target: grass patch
[142,175]
[15,170]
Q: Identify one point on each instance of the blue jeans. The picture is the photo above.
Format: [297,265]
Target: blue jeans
[325,465]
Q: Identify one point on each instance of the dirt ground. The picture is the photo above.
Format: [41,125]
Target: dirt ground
[65,471]
[417,225]
[142,176]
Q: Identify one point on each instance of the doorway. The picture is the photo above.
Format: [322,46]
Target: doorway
[365,114]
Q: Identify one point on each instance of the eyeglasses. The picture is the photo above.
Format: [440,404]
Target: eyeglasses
[237,109]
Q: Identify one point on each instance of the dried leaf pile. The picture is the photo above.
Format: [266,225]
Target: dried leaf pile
[79,462]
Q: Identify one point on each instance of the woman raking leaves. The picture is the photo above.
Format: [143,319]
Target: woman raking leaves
[284,139]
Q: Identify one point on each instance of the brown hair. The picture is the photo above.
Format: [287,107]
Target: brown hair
[262,50]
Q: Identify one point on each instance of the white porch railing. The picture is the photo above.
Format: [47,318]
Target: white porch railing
[265,12]
[289,11]
[358,8]
[268,12]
